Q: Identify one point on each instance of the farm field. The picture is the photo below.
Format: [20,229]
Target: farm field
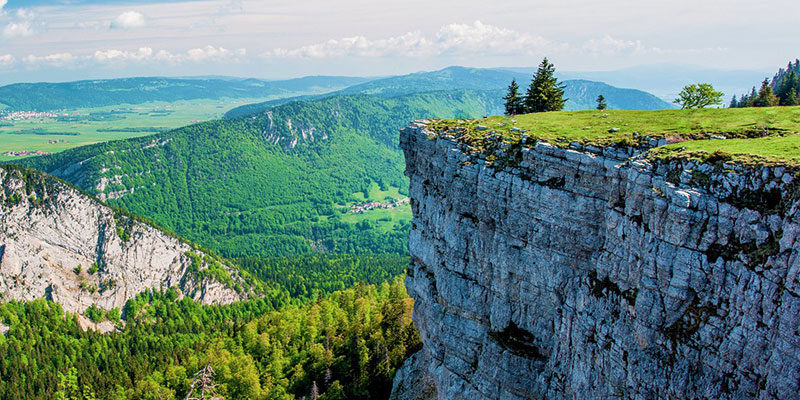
[83,126]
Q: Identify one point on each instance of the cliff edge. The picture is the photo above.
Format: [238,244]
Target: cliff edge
[59,243]
[587,272]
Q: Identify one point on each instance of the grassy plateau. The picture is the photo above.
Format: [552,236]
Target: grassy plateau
[751,135]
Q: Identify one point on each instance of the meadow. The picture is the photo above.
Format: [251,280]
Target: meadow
[83,126]
[751,135]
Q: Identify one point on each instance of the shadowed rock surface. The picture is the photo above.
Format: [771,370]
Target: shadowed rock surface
[592,273]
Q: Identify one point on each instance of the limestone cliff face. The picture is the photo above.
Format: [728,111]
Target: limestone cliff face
[589,273]
[48,229]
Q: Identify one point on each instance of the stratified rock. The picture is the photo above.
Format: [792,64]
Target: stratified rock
[51,235]
[575,274]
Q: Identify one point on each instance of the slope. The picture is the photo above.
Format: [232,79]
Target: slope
[274,183]
[58,243]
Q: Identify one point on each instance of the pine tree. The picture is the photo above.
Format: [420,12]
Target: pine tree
[545,92]
[513,103]
[766,98]
[788,86]
[792,99]
[751,98]
[733,104]
[601,102]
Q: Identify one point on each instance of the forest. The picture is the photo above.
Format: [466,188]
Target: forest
[344,345]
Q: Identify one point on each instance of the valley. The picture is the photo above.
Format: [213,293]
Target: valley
[288,239]
[64,129]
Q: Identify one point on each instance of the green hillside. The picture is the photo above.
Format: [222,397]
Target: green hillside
[109,92]
[275,183]
[581,93]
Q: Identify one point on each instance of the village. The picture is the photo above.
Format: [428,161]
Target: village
[360,208]
[26,153]
[26,115]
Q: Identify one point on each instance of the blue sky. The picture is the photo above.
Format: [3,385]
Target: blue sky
[85,39]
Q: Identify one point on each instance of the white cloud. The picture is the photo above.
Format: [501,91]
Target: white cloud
[18,29]
[213,53]
[147,54]
[609,46]
[128,20]
[460,39]
[53,60]
[144,53]
[7,60]
[3,4]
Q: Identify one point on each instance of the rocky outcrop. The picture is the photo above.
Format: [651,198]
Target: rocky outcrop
[592,273]
[59,243]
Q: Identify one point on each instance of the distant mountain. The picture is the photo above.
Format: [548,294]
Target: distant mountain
[667,80]
[581,93]
[100,93]
[272,183]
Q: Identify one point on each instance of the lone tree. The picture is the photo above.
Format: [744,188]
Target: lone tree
[601,103]
[699,95]
[545,92]
[514,103]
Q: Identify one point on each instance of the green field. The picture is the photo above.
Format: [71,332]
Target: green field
[93,125]
[376,194]
[763,135]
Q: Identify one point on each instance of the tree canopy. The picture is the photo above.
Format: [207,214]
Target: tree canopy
[699,95]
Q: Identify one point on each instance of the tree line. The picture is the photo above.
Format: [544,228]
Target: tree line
[782,90]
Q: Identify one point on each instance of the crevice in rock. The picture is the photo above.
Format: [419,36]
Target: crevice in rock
[518,341]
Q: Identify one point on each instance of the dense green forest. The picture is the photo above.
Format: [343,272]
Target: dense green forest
[270,184]
[109,92]
[346,345]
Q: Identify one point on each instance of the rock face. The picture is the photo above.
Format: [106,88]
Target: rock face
[586,273]
[58,243]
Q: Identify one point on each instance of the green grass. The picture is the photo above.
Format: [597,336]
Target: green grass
[101,124]
[770,150]
[762,135]
[383,219]
[376,194]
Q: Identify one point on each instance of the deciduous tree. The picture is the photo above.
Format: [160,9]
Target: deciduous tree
[699,95]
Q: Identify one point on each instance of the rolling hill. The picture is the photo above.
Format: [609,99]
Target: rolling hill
[100,93]
[581,94]
[273,183]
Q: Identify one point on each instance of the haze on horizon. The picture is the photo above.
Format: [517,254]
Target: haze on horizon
[56,40]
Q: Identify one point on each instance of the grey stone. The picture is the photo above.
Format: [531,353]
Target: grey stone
[42,245]
[595,278]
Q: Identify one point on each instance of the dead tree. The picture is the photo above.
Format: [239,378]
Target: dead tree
[203,387]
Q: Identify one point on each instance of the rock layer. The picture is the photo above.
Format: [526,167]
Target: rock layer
[593,273]
[58,243]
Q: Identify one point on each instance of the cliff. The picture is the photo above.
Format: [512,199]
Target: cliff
[59,243]
[589,272]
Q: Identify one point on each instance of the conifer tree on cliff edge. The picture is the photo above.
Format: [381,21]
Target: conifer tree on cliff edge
[545,92]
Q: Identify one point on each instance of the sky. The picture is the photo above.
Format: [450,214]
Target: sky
[57,40]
